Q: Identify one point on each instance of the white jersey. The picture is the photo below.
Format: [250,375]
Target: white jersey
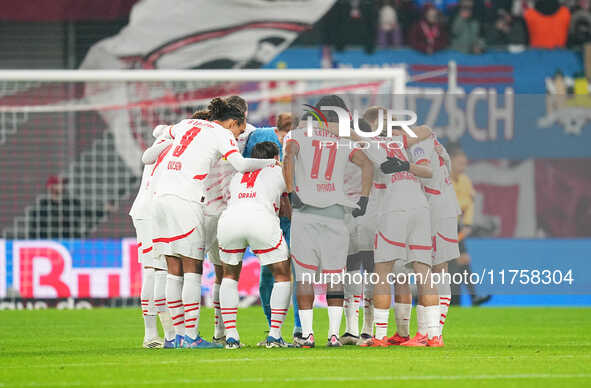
[320,168]
[403,189]
[353,183]
[141,207]
[260,188]
[197,145]
[439,187]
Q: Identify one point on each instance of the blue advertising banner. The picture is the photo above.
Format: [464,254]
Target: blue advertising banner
[503,108]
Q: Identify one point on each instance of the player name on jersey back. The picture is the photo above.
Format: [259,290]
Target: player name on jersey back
[197,145]
[320,168]
[403,189]
[260,188]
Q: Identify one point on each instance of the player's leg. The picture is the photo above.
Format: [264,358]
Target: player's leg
[174,288]
[444,291]
[402,307]
[368,269]
[352,291]
[191,297]
[265,289]
[285,225]
[381,304]
[279,302]
[306,261]
[219,330]
[229,300]
[151,339]
[160,275]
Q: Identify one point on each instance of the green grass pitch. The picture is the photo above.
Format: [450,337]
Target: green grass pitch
[487,347]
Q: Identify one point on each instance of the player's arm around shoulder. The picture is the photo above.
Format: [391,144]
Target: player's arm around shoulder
[422,131]
[292,148]
[420,155]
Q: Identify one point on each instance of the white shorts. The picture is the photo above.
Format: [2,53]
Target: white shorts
[404,235]
[445,240]
[318,244]
[239,228]
[362,232]
[211,239]
[146,255]
[177,228]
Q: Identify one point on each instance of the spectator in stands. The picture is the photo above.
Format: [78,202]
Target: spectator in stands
[389,31]
[506,31]
[580,24]
[443,6]
[428,35]
[547,24]
[465,30]
[59,216]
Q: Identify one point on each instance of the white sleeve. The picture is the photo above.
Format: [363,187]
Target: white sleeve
[151,154]
[242,164]
[225,143]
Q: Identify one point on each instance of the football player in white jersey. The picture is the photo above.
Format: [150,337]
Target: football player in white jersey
[154,267]
[314,169]
[361,242]
[251,219]
[444,210]
[178,231]
[403,235]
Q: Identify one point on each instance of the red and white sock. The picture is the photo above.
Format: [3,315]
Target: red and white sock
[160,304]
[367,309]
[351,305]
[306,318]
[421,320]
[191,303]
[174,287]
[381,317]
[444,301]
[229,307]
[279,305]
[402,313]
[219,323]
[147,301]
[431,314]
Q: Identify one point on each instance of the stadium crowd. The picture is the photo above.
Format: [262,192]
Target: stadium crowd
[468,26]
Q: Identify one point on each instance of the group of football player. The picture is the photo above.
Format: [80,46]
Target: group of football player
[308,201]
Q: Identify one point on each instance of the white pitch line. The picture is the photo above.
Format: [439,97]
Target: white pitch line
[168,382]
[416,356]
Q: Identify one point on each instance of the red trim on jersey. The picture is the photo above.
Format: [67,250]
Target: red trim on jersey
[139,245]
[431,191]
[332,270]
[147,250]
[288,140]
[170,132]
[404,141]
[441,161]
[352,153]
[233,251]
[200,176]
[229,153]
[379,185]
[307,266]
[420,247]
[451,240]
[424,160]
[171,239]
[257,251]
[398,244]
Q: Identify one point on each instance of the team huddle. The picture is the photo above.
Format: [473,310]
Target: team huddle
[306,205]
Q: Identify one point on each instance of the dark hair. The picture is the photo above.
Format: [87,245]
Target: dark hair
[264,150]
[329,100]
[239,102]
[364,125]
[201,115]
[222,110]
